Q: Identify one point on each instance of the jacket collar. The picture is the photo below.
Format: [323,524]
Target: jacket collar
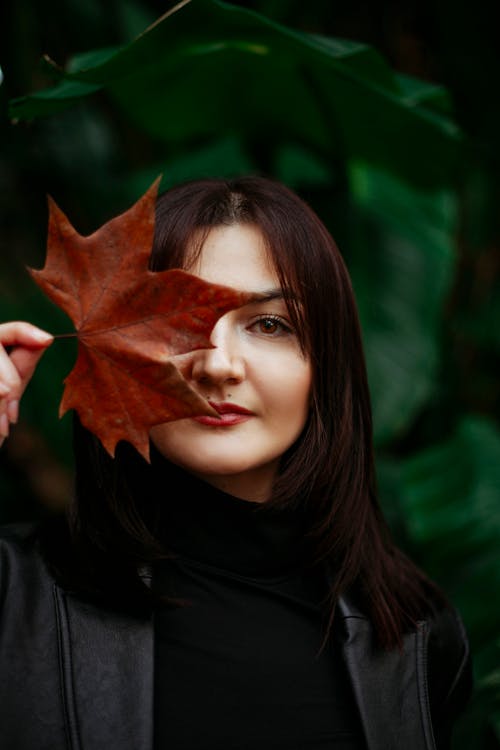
[107,670]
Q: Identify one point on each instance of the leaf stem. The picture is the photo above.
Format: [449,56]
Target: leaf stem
[65,335]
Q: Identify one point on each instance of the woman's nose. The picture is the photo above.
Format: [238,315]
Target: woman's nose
[222,364]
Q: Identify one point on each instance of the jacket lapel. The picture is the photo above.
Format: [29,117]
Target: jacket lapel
[390,688]
[107,672]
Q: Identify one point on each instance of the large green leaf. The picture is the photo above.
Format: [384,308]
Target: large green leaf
[446,503]
[451,502]
[402,261]
[209,68]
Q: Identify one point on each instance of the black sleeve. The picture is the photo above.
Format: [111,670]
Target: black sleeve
[449,674]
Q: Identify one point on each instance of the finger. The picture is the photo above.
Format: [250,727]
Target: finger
[9,410]
[13,411]
[4,427]
[16,369]
[9,375]
[19,333]
[29,344]
[4,420]
[25,362]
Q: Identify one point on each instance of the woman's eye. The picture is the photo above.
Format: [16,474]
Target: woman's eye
[271,325]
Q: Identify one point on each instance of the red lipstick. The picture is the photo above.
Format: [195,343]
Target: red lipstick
[230,414]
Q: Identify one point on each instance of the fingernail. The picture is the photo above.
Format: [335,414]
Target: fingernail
[4,425]
[42,336]
[13,411]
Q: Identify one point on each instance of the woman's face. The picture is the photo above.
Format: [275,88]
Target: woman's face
[256,376]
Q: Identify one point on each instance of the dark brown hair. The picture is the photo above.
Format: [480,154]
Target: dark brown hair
[329,470]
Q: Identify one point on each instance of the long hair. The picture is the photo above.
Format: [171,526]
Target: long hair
[330,468]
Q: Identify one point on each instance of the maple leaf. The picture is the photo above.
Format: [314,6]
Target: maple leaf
[129,321]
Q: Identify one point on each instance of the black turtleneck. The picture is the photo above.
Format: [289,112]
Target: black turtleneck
[238,666]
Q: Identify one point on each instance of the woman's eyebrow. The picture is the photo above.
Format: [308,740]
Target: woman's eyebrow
[268,295]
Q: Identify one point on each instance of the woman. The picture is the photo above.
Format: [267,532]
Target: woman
[243,590]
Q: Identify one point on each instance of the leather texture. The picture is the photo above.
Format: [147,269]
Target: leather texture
[76,677]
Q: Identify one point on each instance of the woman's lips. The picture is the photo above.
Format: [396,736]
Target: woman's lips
[229,414]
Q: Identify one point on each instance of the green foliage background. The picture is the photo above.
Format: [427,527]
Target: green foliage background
[376,116]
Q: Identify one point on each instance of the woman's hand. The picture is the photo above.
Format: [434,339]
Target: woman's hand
[21,346]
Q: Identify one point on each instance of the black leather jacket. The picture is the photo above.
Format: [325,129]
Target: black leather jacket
[76,677]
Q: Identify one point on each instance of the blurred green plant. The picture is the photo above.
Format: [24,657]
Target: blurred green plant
[209,68]
[213,89]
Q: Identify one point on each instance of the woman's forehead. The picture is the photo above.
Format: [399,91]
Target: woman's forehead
[235,255]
